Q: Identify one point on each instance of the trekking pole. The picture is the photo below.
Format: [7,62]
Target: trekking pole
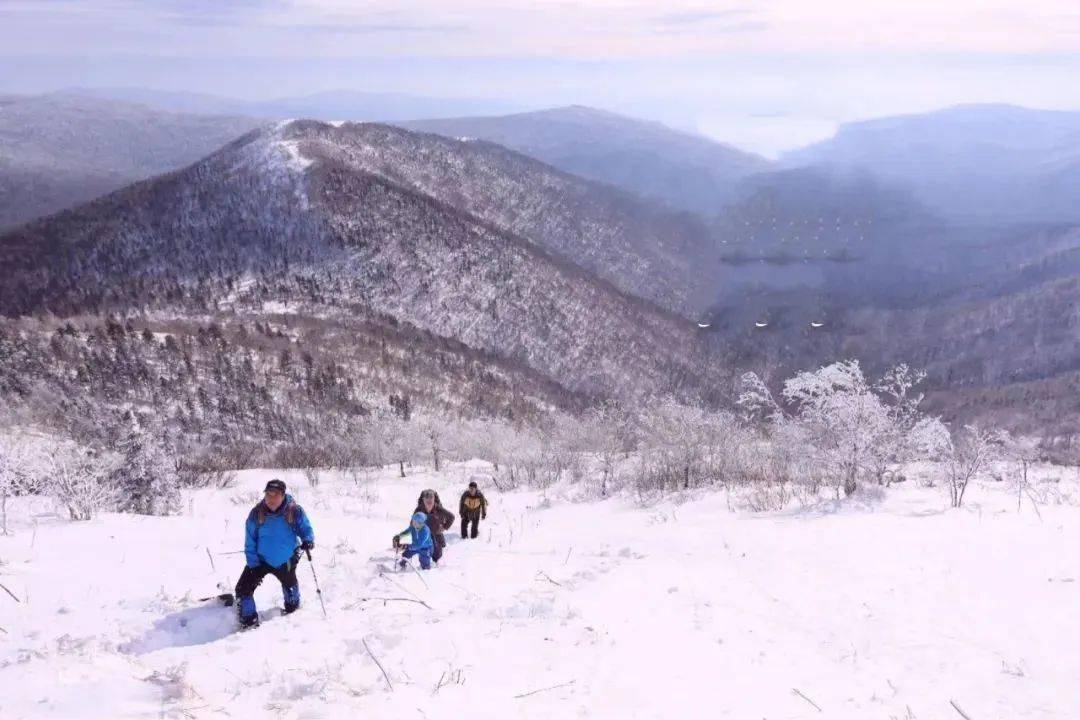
[318,590]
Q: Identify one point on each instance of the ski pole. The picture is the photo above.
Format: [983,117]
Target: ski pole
[318,590]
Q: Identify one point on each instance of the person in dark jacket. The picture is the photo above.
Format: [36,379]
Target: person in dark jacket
[473,509]
[277,529]
[439,520]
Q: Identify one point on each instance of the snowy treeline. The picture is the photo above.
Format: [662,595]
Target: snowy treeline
[138,476]
[830,429]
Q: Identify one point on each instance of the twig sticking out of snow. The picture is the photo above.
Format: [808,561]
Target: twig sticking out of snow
[957,709]
[413,567]
[2,585]
[568,555]
[800,694]
[212,567]
[547,577]
[1033,503]
[388,599]
[398,585]
[385,676]
[553,687]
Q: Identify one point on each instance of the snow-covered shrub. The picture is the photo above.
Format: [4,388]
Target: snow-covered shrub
[14,456]
[313,475]
[84,481]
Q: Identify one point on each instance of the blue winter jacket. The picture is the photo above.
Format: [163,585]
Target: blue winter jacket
[274,539]
[420,539]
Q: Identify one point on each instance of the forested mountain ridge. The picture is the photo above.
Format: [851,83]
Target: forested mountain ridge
[280,216]
[641,247]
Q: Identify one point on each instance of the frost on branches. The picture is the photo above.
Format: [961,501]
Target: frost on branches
[850,427]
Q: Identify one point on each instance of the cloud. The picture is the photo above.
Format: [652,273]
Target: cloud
[377,28]
[751,26]
[698,17]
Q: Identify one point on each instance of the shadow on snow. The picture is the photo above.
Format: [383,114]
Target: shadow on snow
[193,626]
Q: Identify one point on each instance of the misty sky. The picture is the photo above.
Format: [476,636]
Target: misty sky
[766,75]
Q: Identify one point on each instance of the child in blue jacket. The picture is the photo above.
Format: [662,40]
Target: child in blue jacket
[420,542]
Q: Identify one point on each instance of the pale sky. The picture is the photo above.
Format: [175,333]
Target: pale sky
[765,75]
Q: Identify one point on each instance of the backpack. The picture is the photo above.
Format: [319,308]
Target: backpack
[290,513]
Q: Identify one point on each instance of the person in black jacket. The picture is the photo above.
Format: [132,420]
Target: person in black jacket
[473,509]
[439,519]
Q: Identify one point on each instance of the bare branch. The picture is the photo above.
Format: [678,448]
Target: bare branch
[386,600]
[553,687]
[800,694]
[957,709]
[381,668]
[2,585]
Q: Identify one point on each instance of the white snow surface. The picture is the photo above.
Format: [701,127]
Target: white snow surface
[889,607]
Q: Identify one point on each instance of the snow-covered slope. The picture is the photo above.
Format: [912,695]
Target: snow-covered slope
[894,608]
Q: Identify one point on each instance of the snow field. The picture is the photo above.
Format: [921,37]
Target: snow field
[891,607]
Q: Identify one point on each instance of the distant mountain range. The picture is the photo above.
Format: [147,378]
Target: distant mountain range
[61,149]
[350,105]
[688,172]
[979,164]
[573,252]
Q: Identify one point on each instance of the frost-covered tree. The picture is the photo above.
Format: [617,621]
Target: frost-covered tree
[756,401]
[13,457]
[970,451]
[601,430]
[434,432]
[929,439]
[147,479]
[677,438]
[846,421]
[403,440]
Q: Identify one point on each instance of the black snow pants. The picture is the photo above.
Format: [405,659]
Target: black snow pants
[467,519]
[252,577]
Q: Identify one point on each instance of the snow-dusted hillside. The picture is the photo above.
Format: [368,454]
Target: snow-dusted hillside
[276,217]
[892,607]
[640,247]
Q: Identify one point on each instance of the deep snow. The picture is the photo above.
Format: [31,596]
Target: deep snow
[891,607]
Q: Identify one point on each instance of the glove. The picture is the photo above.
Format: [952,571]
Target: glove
[307,545]
[483,516]
[396,541]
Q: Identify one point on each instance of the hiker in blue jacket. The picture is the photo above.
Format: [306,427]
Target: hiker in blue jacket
[277,529]
[420,542]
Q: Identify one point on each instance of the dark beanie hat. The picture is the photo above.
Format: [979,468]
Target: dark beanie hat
[472,484]
[275,484]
